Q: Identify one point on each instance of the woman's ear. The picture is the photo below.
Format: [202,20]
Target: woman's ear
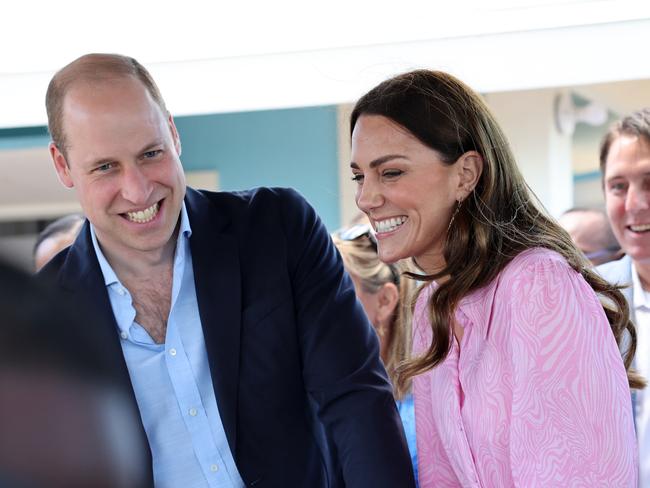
[470,168]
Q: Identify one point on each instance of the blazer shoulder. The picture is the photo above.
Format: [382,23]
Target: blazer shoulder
[247,197]
[50,272]
[285,203]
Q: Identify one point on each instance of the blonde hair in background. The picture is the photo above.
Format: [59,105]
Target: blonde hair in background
[361,260]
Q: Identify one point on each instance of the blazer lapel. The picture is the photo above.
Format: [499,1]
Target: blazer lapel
[81,276]
[215,259]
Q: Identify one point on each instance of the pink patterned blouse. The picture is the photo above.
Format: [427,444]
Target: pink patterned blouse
[536,395]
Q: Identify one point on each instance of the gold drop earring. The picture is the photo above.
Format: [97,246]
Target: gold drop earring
[453,216]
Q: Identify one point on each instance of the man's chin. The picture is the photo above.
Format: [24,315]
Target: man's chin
[639,256]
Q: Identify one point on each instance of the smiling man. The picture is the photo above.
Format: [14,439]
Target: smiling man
[249,358]
[625,165]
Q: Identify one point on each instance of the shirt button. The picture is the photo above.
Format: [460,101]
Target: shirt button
[124,335]
[214,468]
[192,412]
[172,351]
[120,291]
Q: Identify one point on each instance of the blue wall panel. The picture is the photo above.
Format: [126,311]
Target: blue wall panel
[23,138]
[295,147]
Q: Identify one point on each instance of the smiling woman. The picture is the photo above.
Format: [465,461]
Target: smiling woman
[516,360]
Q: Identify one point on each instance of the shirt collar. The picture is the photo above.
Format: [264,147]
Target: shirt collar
[110,278]
[640,297]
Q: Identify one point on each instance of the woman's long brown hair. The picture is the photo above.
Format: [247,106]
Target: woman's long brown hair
[501,217]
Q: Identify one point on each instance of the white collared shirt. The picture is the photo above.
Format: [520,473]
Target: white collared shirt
[641,300]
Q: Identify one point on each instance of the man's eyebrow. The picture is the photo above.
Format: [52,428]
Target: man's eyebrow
[151,146]
[99,161]
[645,174]
[379,161]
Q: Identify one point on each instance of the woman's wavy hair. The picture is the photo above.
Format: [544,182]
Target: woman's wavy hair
[497,221]
[361,259]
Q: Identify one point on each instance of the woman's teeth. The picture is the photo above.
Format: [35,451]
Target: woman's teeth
[389,225]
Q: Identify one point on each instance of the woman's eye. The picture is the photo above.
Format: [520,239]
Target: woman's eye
[357,178]
[392,173]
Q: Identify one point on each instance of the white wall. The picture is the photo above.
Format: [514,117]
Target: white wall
[543,154]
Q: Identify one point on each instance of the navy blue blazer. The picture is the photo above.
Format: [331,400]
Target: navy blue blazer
[302,393]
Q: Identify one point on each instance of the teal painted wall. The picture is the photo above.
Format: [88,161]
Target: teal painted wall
[293,147]
[23,138]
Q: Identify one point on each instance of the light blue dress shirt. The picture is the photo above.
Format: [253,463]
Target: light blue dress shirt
[172,381]
[406,409]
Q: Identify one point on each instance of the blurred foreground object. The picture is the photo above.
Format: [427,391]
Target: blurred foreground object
[64,423]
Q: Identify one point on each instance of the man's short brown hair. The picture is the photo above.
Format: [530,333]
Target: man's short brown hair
[91,68]
[636,124]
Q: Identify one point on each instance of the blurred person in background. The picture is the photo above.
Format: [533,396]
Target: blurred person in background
[517,375]
[56,236]
[65,420]
[590,231]
[231,313]
[625,168]
[386,298]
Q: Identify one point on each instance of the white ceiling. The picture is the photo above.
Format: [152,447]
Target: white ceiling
[222,57]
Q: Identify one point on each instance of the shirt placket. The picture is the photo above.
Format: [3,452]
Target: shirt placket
[467,468]
[193,411]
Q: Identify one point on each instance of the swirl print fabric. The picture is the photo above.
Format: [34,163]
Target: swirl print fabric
[535,396]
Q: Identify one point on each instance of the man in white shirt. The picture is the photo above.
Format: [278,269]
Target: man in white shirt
[625,165]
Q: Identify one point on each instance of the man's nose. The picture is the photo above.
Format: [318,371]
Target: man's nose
[136,186]
[637,199]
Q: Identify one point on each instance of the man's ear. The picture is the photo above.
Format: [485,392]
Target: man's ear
[61,166]
[470,168]
[175,136]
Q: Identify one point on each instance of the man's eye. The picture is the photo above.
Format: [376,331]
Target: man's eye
[104,167]
[151,154]
[617,187]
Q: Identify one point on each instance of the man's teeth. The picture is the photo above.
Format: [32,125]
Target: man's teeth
[640,228]
[389,224]
[143,216]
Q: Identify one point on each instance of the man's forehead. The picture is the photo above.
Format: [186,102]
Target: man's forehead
[628,146]
[628,156]
[105,99]
[95,86]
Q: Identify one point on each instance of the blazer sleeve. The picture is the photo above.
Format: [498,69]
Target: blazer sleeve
[571,419]
[342,370]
